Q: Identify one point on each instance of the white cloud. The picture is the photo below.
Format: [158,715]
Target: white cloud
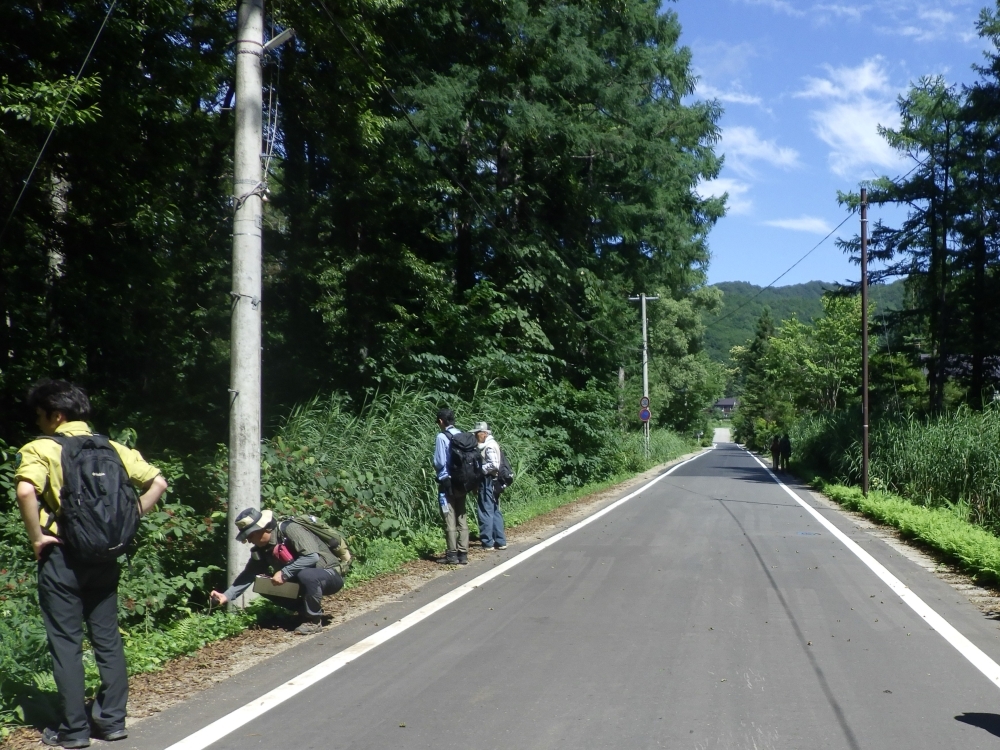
[852,12]
[782,6]
[734,96]
[723,60]
[811,224]
[856,101]
[737,202]
[920,20]
[742,146]
[924,21]
[847,83]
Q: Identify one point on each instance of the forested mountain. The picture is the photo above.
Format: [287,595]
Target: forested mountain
[460,192]
[743,303]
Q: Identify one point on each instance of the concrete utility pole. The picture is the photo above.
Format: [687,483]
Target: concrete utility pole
[642,299]
[245,367]
[864,341]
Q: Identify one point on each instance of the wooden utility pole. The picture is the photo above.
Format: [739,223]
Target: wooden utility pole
[864,341]
[245,344]
[642,299]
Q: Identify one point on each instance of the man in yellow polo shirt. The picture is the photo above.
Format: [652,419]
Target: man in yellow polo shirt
[71,592]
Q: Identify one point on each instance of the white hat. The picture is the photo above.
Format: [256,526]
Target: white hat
[482,427]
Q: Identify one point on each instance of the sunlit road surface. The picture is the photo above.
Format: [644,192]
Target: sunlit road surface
[709,611]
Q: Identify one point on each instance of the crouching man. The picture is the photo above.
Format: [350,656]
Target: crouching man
[302,550]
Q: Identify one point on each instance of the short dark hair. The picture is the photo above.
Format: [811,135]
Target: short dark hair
[447,416]
[62,396]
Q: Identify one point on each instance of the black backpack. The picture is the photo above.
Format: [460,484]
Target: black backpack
[465,464]
[98,508]
[505,475]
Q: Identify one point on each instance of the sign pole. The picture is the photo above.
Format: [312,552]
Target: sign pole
[865,417]
[642,298]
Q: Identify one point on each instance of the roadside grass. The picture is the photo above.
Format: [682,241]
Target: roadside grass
[944,529]
[386,556]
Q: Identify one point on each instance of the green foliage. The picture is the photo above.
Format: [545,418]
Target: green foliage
[948,461]
[743,304]
[946,530]
[801,370]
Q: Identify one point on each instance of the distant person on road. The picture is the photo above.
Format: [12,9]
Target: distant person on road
[459,470]
[785,450]
[78,552]
[491,531]
[291,550]
[775,452]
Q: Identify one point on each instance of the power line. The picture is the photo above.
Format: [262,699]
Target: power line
[451,175]
[785,273]
[55,123]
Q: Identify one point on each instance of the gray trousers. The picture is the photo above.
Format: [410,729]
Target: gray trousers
[69,595]
[456,528]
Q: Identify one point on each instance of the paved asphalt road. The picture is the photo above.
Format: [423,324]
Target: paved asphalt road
[710,611]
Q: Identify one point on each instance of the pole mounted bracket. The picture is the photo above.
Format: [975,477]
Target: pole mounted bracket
[277,41]
[254,301]
[260,190]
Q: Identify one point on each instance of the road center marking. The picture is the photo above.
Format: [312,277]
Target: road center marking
[963,645]
[255,708]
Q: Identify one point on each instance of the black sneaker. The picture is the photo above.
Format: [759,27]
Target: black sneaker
[463,558]
[52,738]
[112,736]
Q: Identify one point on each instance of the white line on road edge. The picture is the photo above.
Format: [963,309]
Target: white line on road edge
[247,713]
[962,644]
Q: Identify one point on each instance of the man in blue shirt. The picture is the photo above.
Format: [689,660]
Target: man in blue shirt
[452,500]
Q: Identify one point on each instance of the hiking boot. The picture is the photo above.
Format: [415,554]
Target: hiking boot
[308,628]
[52,738]
[450,559]
[112,736]
[463,558]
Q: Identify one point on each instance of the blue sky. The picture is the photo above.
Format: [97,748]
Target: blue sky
[804,85]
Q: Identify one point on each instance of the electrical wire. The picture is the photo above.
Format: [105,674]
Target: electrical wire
[449,173]
[55,123]
[273,107]
[785,273]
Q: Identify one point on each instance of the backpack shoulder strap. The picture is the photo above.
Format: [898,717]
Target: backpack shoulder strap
[282,527]
[61,439]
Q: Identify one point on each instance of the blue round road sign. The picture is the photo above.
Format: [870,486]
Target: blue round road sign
[644,415]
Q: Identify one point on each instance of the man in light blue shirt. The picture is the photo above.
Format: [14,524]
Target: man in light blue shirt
[452,500]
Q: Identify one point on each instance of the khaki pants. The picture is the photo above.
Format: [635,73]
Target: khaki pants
[456,528]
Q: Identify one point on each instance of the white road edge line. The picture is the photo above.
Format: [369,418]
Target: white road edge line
[247,713]
[963,645]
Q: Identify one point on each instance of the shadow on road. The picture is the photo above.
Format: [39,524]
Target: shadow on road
[740,473]
[824,684]
[989,722]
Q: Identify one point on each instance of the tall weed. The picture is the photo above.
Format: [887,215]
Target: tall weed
[950,461]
